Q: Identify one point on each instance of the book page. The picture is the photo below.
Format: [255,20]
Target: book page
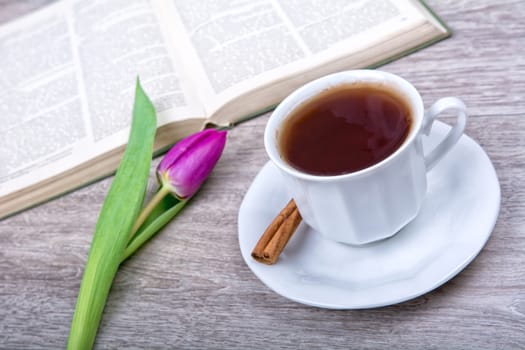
[241,45]
[68,83]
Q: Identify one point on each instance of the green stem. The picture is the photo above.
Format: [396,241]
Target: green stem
[155,200]
[152,228]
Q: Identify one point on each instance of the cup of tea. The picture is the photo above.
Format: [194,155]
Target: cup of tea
[349,147]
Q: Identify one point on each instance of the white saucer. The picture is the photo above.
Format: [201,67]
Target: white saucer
[456,219]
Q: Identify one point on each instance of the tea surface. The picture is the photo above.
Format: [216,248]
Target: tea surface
[344,129]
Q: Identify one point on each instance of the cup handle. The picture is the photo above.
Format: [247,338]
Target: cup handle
[433,157]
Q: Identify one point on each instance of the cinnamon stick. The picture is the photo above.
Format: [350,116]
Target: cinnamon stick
[277,234]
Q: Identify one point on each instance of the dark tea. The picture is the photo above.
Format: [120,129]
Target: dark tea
[345,129]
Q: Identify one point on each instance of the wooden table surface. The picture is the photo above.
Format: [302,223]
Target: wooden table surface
[190,288]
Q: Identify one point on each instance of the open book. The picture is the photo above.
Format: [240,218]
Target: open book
[69,70]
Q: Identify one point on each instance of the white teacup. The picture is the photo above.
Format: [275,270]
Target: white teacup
[376,202]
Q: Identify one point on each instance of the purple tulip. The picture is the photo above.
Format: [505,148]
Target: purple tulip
[189,162]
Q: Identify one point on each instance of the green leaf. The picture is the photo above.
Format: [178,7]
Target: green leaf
[117,216]
[167,208]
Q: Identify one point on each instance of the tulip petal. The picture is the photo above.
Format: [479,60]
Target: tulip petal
[187,164]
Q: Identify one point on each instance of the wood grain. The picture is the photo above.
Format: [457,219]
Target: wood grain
[189,287]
